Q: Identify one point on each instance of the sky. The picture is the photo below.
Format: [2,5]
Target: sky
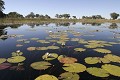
[74,7]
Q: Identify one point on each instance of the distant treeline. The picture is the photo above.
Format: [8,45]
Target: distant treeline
[58,16]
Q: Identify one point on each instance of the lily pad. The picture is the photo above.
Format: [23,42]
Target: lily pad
[112,69]
[75,67]
[112,58]
[69,76]
[61,56]
[98,72]
[51,57]
[17,53]
[41,48]
[31,48]
[53,47]
[102,50]
[42,65]
[2,60]
[46,77]
[4,66]
[34,39]
[79,49]
[16,59]
[92,60]
[68,60]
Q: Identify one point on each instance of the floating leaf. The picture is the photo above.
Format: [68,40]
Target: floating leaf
[34,39]
[52,56]
[79,49]
[42,65]
[68,60]
[92,60]
[69,76]
[26,42]
[74,39]
[19,45]
[98,72]
[46,77]
[112,58]
[61,56]
[41,48]
[75,67]
[104,60]
[4,66]
[43,41]
[2,60]
[16,59]
[17,53]
[102,50]
[112,69]
[53,47]
[31,48]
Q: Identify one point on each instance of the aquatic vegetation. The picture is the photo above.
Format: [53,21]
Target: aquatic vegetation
[68,60]
[31,48]
[26,42]
[82,41]
[98,72]
[19,45]
[74,39]
[21,40]
[43,41]
[53,47]
[112,69]
[4,66]
[16,59]
[41,48]
[112,58]
[2,60]
[92,60]
[79,49]
[46,77]
[102,50]
[61,56]
[41,65]
[34,39]
[51,56]
[75,67]
[69,76]
[104,60]
[17,53]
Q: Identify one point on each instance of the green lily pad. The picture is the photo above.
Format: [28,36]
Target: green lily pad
[42,48]
[17,53]
[92,60]
[98,72]
[16,59]
[102,50]
[69,76]
[51,57]
[68,60]
[61,56]
[34,39]
[112,69]
[112,58]
[75,67]
[53,47]
[42,65]
[46,77]
[79,49]
[2,60]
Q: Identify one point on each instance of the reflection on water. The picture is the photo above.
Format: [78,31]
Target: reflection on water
[23,44]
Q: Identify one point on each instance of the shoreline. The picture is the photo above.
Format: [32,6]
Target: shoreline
[37,21]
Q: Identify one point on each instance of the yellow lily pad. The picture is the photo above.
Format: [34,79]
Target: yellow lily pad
[98,72]
[51,57]
[46,77]
[102,50]
[79,49]
[92,60]
[75,67]
[112,69]
[2,60]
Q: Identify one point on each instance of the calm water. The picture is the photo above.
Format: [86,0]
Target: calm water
[103,32]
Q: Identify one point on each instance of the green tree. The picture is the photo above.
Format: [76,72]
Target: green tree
[114,15]
[2,5]
[74,17]
[67,16]
[14,15]
[31,15]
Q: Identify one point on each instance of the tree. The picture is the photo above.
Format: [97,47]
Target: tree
[2,5]
[31,15]
[74,17]
[37,15]
[67,16]
[114,15]
[47,17]
[14,15]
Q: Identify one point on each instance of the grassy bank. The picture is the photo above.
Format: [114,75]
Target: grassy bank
[25,21]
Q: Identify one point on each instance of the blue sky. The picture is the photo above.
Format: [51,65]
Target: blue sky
[74,7]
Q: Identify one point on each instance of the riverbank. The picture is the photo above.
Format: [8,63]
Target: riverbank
[26,21]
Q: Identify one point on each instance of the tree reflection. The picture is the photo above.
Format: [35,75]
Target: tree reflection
[113,26]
